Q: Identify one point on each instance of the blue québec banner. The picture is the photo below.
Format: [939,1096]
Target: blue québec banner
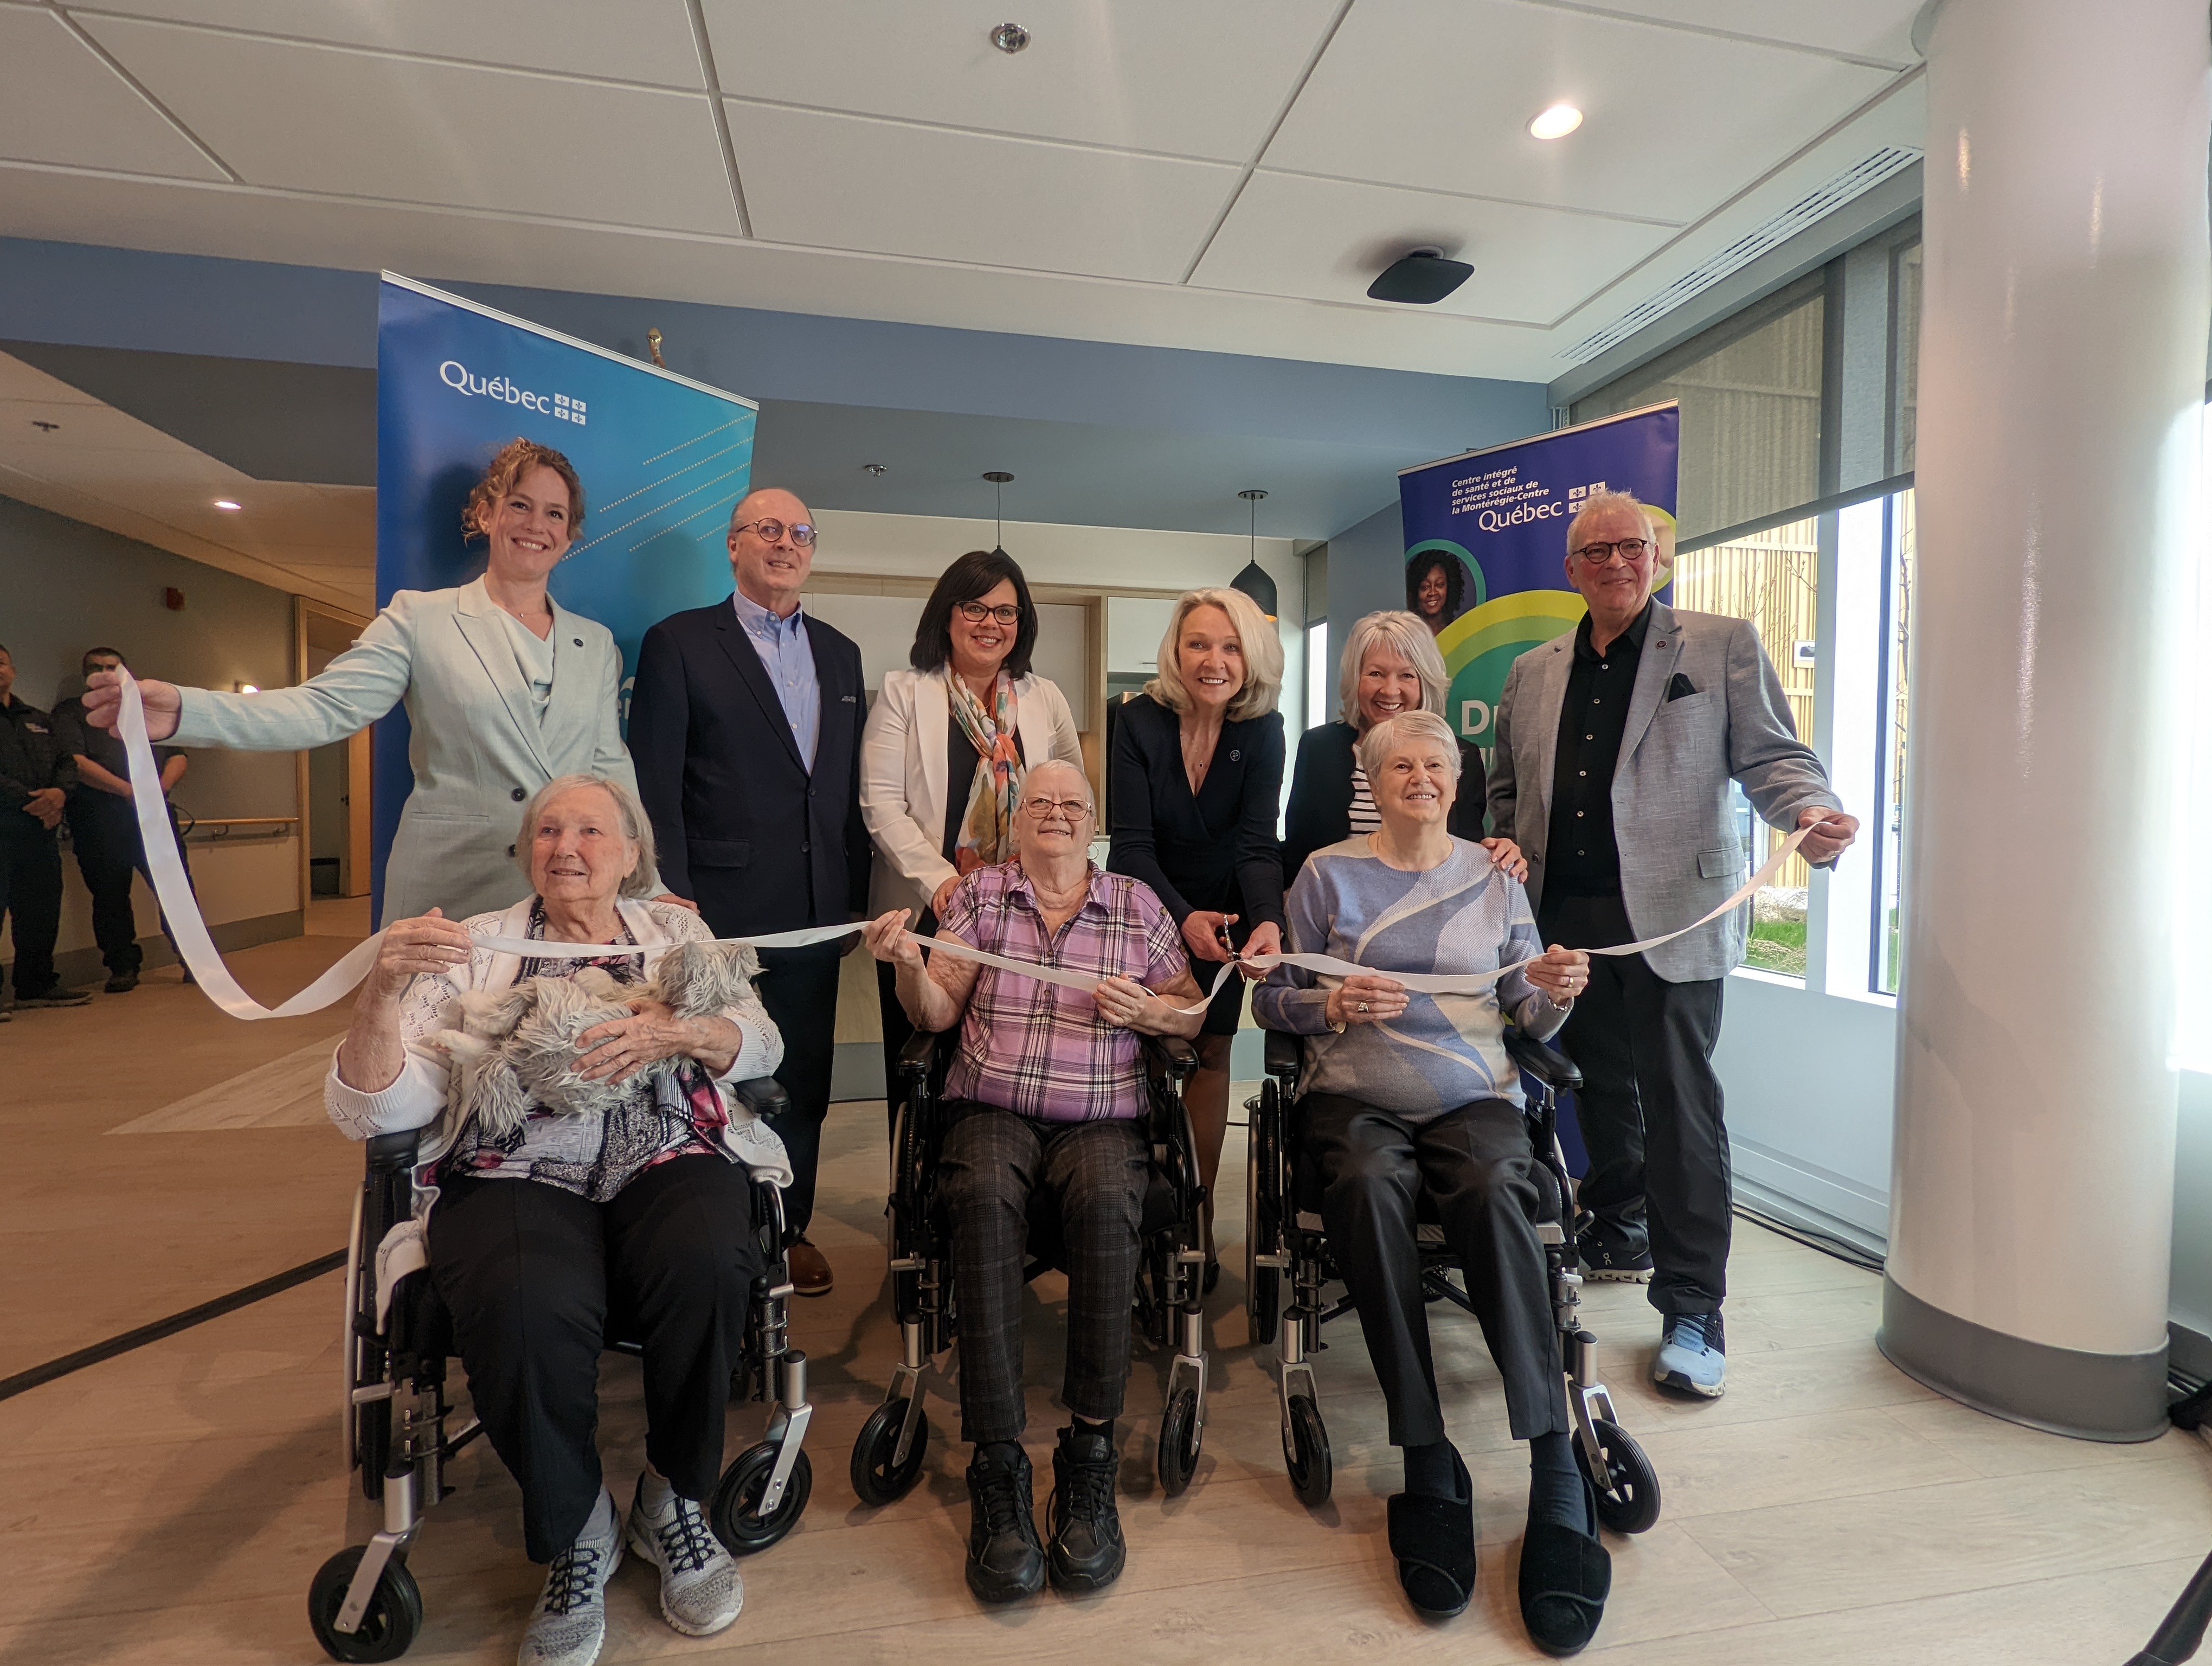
[1486,542]
[663,459]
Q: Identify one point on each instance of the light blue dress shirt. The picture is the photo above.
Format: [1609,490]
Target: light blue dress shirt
[789,659]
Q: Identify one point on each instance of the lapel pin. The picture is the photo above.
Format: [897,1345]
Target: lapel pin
[1236,758]
[577,642]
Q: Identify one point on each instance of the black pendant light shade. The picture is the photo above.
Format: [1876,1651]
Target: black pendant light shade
[1253,580]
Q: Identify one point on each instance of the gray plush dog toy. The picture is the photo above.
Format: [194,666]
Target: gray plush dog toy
[513,1050]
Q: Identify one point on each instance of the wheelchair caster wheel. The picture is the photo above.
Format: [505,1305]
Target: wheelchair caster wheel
[1180,1437]
[735,1512]
[1628,1492]
[388,1625]
[1305,1449]
[876,1479]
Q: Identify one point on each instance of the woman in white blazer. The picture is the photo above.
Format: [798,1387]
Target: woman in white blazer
[505,691]
[946,747]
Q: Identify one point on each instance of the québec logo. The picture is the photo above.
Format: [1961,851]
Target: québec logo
[457,376]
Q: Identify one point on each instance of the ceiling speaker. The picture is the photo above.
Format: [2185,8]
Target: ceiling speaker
[1421,279]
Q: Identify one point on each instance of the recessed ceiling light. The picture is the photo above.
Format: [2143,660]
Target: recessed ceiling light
[1556,123]
[877,468]
[1010,38]
[225,503]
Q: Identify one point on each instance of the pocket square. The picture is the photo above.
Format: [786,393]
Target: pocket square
[1680,687]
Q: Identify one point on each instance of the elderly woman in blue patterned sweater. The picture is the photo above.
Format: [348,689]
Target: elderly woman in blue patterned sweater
[1403,1091]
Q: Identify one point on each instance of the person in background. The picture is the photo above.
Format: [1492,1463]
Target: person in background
[38,776]
[1617,744]
[1197,783]
[745,723]
[1435,587]
[1390,665]
[945,748]
[1404,1094]
[504,689]
[104,829]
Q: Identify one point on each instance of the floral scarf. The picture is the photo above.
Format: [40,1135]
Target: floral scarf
[987,827]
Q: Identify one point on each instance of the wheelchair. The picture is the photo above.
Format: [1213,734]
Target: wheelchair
[1284,1241]
[888,1454]
[364,1604]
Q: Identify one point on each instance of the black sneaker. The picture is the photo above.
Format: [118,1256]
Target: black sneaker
[1087,1552]
[1005,1561]
[57,996]
[1610,1264]
[122,983]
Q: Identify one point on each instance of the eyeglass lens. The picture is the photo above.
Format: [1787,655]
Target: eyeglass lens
[1630,548]
[770,531]
[976,613]
[1046,809]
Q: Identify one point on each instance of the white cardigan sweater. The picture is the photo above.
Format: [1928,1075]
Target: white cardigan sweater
[417,1097]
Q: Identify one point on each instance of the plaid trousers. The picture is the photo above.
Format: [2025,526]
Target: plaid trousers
[1095,1173]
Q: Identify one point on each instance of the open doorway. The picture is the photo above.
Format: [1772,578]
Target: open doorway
[333,780]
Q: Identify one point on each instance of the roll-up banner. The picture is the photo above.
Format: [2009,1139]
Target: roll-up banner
[662,459]
[1487,542]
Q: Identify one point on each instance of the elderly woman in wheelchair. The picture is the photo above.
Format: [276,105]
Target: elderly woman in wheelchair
[1404,1092]
[1045,1092]
[583,1167]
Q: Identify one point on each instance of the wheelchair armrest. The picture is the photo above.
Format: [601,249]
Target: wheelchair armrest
[763,1096]
[388,1153]
[1285,1055]
[1543,1062]
[920,1049]
[1176,1059]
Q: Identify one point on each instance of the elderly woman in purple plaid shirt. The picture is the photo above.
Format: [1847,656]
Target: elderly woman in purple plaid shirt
[1045,1091]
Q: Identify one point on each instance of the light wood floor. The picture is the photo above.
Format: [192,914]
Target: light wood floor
[170,1505]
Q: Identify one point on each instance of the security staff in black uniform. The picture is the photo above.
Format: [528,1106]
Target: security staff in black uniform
[104,828]
[37,775]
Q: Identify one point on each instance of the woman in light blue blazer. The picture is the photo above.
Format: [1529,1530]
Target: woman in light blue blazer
[505,691]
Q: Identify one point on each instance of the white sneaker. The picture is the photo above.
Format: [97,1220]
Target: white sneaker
[571,1620]
[700,1591]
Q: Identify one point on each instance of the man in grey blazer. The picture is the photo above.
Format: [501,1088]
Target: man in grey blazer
[1616,747]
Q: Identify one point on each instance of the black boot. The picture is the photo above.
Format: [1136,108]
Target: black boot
[1005,1559]
[1087,1552]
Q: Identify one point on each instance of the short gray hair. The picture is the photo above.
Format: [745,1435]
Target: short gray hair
[1404,635]
[1090,798]
[638,882]
[1597,504]
[1392,733]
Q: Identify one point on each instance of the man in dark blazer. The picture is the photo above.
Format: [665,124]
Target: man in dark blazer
[745,728]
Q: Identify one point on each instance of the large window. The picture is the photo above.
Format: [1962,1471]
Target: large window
[1750,393]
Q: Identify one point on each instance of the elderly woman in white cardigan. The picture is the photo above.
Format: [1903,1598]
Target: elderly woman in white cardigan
[534,1232]
[946,744]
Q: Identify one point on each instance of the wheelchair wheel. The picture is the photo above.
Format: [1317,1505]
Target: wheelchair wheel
[388,1625]
[1628,1492]
[735,1512]
[1305,1450]
[1180,1438]
[875,1478]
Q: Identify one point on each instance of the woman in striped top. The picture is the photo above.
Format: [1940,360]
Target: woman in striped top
[1390,665]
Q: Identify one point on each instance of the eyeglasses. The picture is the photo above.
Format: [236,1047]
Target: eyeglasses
[772,532]
[1632,550]
[1056,810]
[976,612]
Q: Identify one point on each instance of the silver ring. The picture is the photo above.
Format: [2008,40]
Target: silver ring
[1363,1009]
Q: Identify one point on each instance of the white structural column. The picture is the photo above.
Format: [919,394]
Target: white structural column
[2061,380]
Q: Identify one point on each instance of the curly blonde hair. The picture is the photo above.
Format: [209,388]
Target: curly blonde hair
[516,459]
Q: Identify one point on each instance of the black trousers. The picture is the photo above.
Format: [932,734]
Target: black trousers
[108,856]
[31,898]
[530,1275]
[1094,1174]
[798,986]
[1476,1164]
[1649,1109]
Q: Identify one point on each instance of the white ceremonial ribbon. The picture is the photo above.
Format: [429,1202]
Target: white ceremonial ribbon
[196,947]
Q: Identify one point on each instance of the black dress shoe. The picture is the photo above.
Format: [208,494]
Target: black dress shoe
[1433,1540]
[1566,1576]
[1005,1561]
[1087,1551]
[121,984]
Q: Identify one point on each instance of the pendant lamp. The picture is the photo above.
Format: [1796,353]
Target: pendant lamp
[1253,580]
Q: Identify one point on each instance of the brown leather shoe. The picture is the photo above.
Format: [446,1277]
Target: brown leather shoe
[810,1269]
